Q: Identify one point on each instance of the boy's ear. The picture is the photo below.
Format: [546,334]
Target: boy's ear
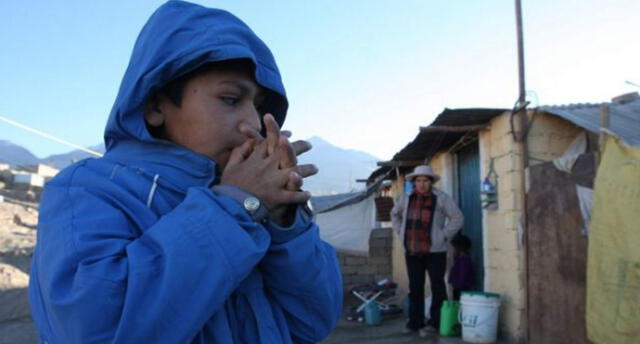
[153,114]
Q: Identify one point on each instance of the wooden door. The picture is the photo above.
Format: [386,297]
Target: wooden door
[557,255]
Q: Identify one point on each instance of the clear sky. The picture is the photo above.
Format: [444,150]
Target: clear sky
[362,74]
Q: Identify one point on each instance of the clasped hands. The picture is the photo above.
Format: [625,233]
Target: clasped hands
[267,167]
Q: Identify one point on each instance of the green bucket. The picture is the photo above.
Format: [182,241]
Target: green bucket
[449,325]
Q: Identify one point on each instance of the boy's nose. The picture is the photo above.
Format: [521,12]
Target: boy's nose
[255,118]
[251,124]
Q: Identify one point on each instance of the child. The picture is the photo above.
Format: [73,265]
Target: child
[461,274]
[191,228]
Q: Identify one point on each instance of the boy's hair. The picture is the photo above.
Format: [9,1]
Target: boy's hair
[174,89]
[461,242]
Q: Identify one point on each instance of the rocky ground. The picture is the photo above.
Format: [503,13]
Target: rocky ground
[17,239]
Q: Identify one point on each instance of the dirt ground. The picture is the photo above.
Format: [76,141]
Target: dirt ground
[17,239]
[389,332]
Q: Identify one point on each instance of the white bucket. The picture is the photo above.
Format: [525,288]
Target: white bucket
[479,316]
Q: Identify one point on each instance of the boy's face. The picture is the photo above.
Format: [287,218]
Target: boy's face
[423,183]
[215,106]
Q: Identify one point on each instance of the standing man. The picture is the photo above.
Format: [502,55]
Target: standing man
[425,220]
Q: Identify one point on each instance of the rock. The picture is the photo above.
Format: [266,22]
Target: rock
[17,235]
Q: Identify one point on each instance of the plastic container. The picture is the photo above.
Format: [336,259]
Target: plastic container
[479,316]
[449,325]
[372,315]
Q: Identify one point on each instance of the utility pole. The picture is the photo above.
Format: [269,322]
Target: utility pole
[524,156]
[522,95]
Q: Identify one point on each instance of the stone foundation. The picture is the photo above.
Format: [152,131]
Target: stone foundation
[359,269]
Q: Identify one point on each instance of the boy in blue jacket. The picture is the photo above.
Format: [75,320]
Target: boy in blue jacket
[191,228]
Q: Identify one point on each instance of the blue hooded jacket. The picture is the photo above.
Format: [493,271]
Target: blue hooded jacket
[134,247]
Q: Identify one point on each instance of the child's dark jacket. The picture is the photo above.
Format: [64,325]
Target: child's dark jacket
[461,274]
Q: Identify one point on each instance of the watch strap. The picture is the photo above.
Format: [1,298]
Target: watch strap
[246,200]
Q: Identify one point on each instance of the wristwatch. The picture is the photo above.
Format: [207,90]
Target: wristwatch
[250,203]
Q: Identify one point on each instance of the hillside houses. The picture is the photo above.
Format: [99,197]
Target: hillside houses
[25,183]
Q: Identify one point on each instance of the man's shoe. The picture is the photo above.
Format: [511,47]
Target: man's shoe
[427,331]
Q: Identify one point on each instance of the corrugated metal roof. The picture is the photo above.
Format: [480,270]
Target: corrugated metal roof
[427,143]
[323,204]
[320,204]
[624,119]
[472,116]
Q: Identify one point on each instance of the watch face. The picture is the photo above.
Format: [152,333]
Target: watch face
[251,204]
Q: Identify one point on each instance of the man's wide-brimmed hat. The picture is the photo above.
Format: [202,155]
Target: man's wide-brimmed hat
[423,170]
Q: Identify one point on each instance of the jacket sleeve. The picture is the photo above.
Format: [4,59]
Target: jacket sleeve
[454,216]
[122,286]
[302,278]
[397,214]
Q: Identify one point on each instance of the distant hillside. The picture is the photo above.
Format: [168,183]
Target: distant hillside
[61,161]
[339,167]
[15,155]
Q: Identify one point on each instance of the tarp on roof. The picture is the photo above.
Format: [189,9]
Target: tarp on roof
[346,220]
[349,227]
[323,204]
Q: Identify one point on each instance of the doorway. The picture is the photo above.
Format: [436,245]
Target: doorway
[468,190]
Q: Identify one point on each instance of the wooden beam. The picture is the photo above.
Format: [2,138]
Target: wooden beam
[604,124]
[401,163]
[604,121]
[452,129]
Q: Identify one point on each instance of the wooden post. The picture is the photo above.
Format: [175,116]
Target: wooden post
[520,42]
[604,124]
[524,155]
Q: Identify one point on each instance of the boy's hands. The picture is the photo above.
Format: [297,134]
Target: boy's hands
[277,140]
[267,168]
[280,140]
[252,169]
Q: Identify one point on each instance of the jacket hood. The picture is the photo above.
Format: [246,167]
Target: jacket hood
[178,38]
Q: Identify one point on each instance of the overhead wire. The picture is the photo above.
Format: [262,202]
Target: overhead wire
[49,136]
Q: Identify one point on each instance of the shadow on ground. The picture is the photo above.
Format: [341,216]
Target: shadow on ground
[18,331]
[389,332]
